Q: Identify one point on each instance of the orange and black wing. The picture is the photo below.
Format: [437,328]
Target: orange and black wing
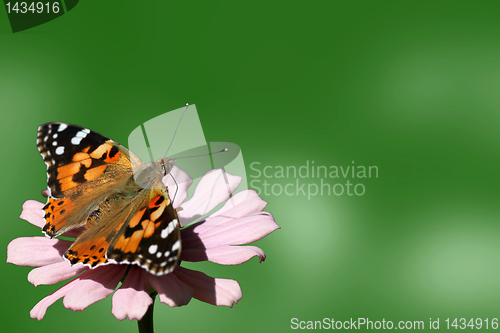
[143,232]
[151,236]
[83,167]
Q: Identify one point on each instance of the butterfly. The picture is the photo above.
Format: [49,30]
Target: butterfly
[118,201]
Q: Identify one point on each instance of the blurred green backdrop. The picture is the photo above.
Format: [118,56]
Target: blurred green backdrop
[412,87]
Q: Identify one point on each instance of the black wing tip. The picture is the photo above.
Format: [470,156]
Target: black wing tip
[68,125]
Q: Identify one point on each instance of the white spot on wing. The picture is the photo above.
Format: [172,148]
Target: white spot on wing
[59,150]
[171,227]
[158,254]
[62,127]
[152,249]
[86,130]
[54,136]
[168,230]
[81,134]
[176,246]
[54,143]
[76,140]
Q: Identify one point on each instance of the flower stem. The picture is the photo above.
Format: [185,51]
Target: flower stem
[146,323]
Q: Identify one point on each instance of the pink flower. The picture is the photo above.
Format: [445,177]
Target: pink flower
[240,221]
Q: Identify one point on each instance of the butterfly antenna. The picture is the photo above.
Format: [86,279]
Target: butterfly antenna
[220,151]
[175,132]
[177,185]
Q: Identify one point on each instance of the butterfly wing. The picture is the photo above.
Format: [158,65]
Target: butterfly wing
[91,245]
[143,231]
[83,167]
[91,185]
[151,236]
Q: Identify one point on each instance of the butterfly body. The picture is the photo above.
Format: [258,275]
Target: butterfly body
[120,203]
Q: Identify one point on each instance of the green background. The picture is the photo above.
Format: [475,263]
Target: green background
[412,87]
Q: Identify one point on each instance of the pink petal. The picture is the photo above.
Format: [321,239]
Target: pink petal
[38,311]
[184,182]
[90,287]
[54,273]
[241,204]
[132,299]
[33,213]
[36,251]
[224,255]
[93,285]
[171,290]
[210,192]
[210,290]
[218,231]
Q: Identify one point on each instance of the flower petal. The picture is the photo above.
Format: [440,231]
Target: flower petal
[54,273]
[241,204]
[210,290]
[183,180]
[40,308]
[36,251]
[224,255]
[33,213]
[215,187]
[90,287]
[93,285]
[132,299]
[171,290]
[218,231]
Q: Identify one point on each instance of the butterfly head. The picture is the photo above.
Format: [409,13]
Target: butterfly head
[166,165]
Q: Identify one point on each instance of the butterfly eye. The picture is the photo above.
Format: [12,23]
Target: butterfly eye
[163,168]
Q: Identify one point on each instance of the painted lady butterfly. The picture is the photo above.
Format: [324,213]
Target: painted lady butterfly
[120,202]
